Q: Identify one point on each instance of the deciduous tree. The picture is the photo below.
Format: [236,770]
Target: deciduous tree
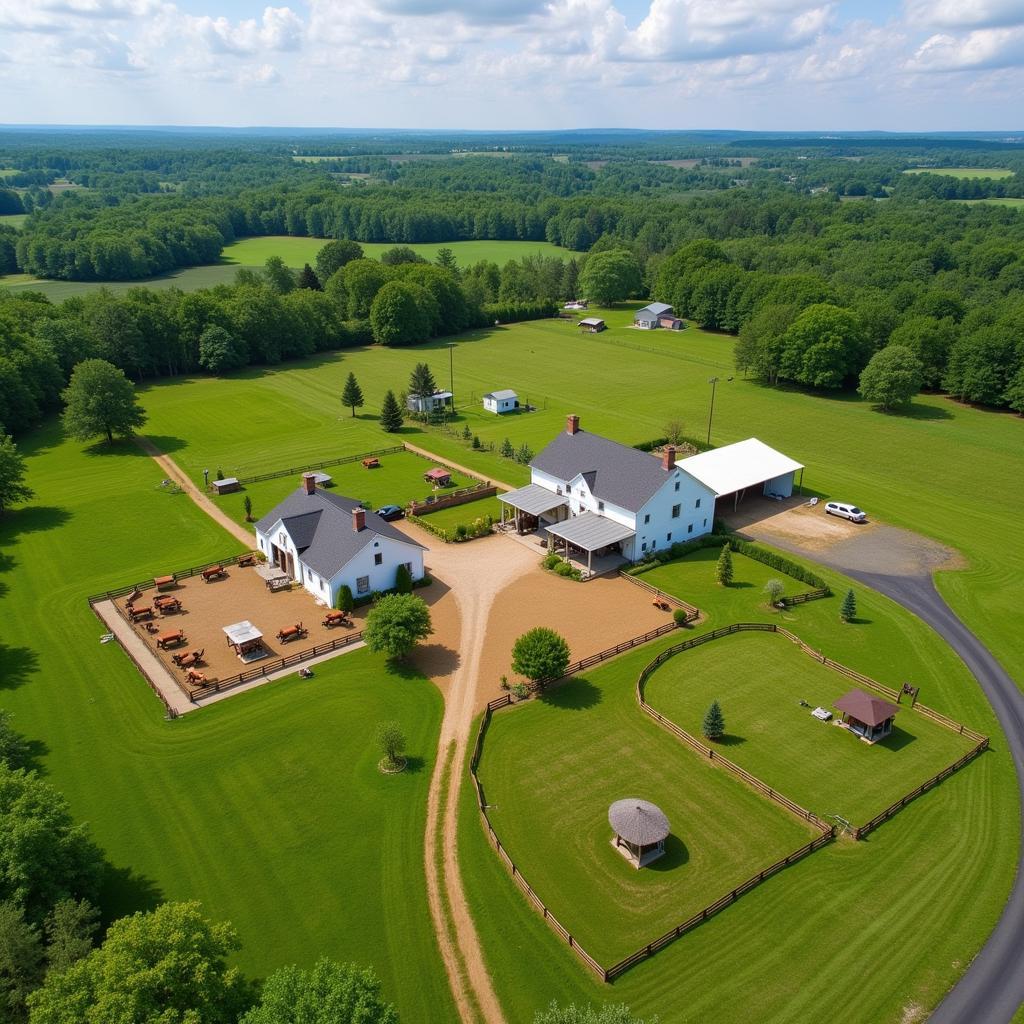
[891,378]
[391,741]
[610,276]
[334,255]
[540,654]
[100,400]
[12,475]
[396,623]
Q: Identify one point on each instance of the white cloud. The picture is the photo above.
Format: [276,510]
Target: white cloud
[280,28]
[471,11]
[966,13]
[980,50]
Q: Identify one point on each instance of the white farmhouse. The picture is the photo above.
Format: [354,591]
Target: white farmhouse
[501,401]
[325,540]
[599,498]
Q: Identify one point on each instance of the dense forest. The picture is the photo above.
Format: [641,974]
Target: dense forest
[779,241]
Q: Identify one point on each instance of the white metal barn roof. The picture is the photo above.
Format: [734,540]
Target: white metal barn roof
[506,393]
[737,466]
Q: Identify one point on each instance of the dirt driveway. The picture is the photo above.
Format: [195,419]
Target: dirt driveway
[806,530]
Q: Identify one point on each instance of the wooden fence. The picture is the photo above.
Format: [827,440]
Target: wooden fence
[452,498]
[265,668]
[692,612]
[326,464]
[178,574]
[807,595]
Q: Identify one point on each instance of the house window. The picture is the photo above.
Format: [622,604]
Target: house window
[378,558]
[675,511]
[668,537]
[677,485]
[408,566]
[600,506]
[643,547]
[698,504]
[705,522]
[362,584]
[647,518]
[689,529]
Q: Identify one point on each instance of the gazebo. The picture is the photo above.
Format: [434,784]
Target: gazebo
[640,829]
[869,717]
[438,477]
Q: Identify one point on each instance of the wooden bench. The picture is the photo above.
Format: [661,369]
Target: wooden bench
[140,613]
[371,463]
[214,572]
[246,560]
[163,582]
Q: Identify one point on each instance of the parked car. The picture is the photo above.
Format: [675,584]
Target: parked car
[851,512]
[390,512]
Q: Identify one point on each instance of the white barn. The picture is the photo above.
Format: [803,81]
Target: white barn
[326,540]
[501,401]
[657,314]
[751,465]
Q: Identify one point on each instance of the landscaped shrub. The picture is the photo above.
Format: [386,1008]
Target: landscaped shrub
[344,601]
[565,569]
[560,567]
[403,579]
[550,561]
[679,616]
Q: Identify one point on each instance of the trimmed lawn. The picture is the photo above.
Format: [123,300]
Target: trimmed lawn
[397,480]
[552,769]
[449,518]
[759,679]
[267,807]
[13,220]
[963,172]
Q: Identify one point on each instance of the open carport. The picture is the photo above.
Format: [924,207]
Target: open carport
[746,467]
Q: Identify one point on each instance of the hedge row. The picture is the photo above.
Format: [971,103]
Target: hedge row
[560,567]
[515,312]
[716,540]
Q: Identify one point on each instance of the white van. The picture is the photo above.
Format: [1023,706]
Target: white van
[851,512]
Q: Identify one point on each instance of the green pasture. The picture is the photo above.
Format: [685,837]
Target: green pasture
[397,481]
[267,807]
[189,279]
[1016,203]
[296,251]
[449,518]
[759,679]
[964,172]
[826,917]
[13,220]
[552,769]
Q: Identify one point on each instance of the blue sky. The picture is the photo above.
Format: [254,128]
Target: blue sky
[510,64]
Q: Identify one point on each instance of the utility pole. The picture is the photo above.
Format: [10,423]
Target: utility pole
[713,381]
[451,372]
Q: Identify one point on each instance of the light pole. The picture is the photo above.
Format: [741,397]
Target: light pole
[713,381]
[451,372]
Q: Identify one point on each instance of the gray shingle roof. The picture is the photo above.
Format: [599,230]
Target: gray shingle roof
[504,393]
[614,472]
[591,531]
[321,523]
[656,308]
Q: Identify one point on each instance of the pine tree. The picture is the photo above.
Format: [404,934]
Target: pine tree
[848,611]
[723,571]
[308,279]
[476,443]
[524,455]
[507,450]
[466,433]
[713,725]
[247,505]
[390,413]
[421,381]
[352,396]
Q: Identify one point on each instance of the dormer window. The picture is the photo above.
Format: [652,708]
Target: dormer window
[600,506]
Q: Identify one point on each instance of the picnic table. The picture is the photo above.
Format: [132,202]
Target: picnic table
[213,572]
[165,640]
[287,633]
[246,560]
[167,604]
[190,659]
[163,582]
[337,619]
[371,463]
[195,678]
[140,613]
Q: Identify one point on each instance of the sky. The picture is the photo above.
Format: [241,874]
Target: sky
[785,65]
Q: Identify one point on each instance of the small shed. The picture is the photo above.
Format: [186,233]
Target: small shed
[246,640]
[640,830]
[438,477]
[501,401]
[591,324]
[649,318]
[671,323]
[227,485]
[868,717]
[429,403]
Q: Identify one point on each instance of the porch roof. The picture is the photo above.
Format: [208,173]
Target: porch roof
[872,711]
[532,499]
[591,531]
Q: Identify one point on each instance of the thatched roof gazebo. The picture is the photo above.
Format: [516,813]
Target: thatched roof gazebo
[640,830]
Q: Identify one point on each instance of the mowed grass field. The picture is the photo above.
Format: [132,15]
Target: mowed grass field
[964,172]
[552,769]
[252,253]
[268,806]
[759,680]
[13,220]
[397,481]
[449,518]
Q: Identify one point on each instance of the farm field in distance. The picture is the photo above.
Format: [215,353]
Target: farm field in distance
[257,805]
[964,172]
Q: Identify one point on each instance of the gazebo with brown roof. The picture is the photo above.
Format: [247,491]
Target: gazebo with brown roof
[869,717]
[640,830]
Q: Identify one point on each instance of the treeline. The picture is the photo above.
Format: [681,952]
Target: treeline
[264,318]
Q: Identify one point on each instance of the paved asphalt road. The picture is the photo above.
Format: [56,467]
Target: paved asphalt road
[993,987]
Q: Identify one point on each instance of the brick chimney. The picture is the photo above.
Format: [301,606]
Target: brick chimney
[668,457]
[358,519]
[309,482]
[572,424]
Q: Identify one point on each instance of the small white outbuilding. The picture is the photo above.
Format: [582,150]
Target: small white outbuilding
[501,401]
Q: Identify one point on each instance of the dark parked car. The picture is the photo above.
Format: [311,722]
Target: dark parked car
[390,512]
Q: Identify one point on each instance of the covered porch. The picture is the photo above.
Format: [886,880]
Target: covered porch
[592,541]
[532,506]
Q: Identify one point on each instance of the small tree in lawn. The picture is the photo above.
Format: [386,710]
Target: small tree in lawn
[713,725]
[848,609]
[247,505]
[476,443]
[396,623]
[539,654]
[524,454]
[773,590]
[674,432]
[507,450]
[100,399]
[352,395]
[390,414]
[403,579]
[391,740]
[467,434]
[344,602]
[723,571]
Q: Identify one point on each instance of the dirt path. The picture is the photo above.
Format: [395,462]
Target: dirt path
[175,473]
[477,573]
